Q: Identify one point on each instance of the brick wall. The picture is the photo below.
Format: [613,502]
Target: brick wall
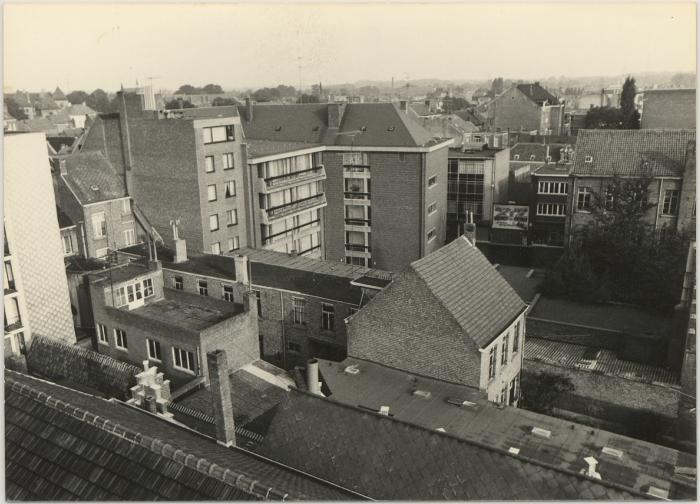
[435,165]
[686,210]
[388,331]
[513,110]
[117,222]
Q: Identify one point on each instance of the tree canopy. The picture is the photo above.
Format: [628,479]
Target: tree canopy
[207,89]
[99,100]
[14,109]
[222,102]
[178,104]
[271,94]
[630,116]
[77,97]
[603,118]
[541,391]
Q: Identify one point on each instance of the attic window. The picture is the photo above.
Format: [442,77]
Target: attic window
[516,157]
[391,128]
[532,157]
[613,452]
[352,370]
[513,450]
[95,188]
[541,432]
[589,159]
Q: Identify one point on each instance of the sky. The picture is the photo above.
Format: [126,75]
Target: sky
[86,46]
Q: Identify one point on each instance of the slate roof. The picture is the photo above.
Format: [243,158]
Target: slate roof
[538,94]
[80,109]
[63,220]
[92,178]
[62,444]
[385,458]
[306,123]
[659,153]
[39,124]
[526,150]
[669,108]
[58,94]
[476,295]
[260,148]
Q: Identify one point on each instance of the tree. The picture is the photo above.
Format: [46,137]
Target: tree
[543,390]
[99,100]
[222,102]
[14,109]
[603,118]
[497,86]
[178,104]
[212,89]
[186,89]
[453,103]
[77,97]
[630,116]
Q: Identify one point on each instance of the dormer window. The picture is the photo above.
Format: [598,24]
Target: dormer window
[532,157]
[589,159]
[516,157]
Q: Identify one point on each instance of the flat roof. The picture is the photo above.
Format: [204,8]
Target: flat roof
[562,170]
[566,447]
[122,272]
[473,153]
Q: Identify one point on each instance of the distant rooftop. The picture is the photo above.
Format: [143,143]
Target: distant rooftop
[202,112]
[561,170]
[261,148]
[473,153]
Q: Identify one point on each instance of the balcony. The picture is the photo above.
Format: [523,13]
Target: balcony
[353,247]
[289,233]
[356,195]
[358,222]
[12,324]
[288,209]
[290,179]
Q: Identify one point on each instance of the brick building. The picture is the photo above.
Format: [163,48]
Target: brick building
[450,316]
[184,165]
[138,318]
[668,109]
[36,292]
[526,107]
[664,156]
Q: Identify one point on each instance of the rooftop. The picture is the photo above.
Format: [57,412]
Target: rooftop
[203,112]
[562,170]
[485,153]
[538,94]
[261,148]
[433,404]
[62,444]
[92,178]
[657,153]
[525,281]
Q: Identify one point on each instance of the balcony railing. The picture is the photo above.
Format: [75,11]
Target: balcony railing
[280,211]
[356,195]
[309,250]
[356,169]
[289,179]
[12,323]
[267,240]
[358,248]
[358,222]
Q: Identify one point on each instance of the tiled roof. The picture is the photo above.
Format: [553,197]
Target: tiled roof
[385,458]
[260,148]
[61,117]
[62,444]
[591,359]
[39,124]
[659,153]
[477,296]
[525,151]
[437,404]
[305,123]
[58,94]
[538,94]
[92,178]
[80,109]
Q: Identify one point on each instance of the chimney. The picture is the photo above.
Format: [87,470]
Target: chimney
[62,167]
[249,109]
[403,106]
[241,267]
[312,382]
[152,391]
[335,114]
[180,250]
[220,388]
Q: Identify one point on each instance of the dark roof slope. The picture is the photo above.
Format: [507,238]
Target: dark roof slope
[58,94]
[63,444]
[386,458]
[63,220]
[538,94]
[306,123]
[92,178]
[669,108]
[526,151]
[476,295]
[658,153]
[260,148]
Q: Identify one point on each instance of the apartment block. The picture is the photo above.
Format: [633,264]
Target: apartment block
[36,300]
[184,166]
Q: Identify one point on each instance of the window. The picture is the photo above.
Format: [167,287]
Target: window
[513,391]
[211,192]
[432,208]
[202,286]
[178,283]
[589,159]
[228,293]
[256,295]
[120,297]
[555,209]
[670,205]
[431,235]
[99,225]
[183,360]
[230,188]
[516,157]
[228,160]
[231,217]
[67,245]
[492,362]
[216,248]
[102,334]
[298,305]
[153,350]
[126,206]
[552,187]
[129,237]
[209,164]
[583,199]
[120,339]
[213,222]
[532,157]
[233,244]
[148,287]
[432,181]
[355,159]
[218,134]
[504,350]
[516,337]
[294,347]
[327,316]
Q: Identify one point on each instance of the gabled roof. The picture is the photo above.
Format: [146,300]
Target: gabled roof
[656,153]
[62,444]
[58,95]
[39,124]
[92,178]
[538,94]
[385,458]
[306,123]
[80,110]
[476,295]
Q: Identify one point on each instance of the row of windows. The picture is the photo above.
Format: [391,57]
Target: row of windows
[327,314]
[233,244]
[231,219]
[553,188]
[556,209]
[132,293]
[229,190]
[203,288]
[226,162]
[217,134]
[669,204]
[493,353]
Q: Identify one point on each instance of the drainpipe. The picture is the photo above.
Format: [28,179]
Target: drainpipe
[658,204]
[82,235]
[284,341]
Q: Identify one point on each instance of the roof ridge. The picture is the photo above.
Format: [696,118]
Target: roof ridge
[155,445]
[474,442]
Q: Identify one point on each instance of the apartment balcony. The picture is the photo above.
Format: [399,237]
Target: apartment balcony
[270,184]
[12,324]
[353,247]
[295,232]
[288,209]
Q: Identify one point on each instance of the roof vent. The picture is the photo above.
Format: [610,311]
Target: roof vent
[513,450]
[657,492]
[613,452]
[441,429]
[589,159]
[353,370]
[591,472]
[278,128]
[425,394]
[541,432]
[461,402]
[384,410]
[95,188]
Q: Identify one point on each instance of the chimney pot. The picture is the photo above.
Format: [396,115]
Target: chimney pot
[220,388]
[403,105]
[180,251]
[312,382]
[241,267]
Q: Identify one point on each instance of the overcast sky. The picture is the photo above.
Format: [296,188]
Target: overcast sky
[83,46]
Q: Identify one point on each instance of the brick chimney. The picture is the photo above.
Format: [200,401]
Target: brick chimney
[220,388]
[249,109]
[152,391]
[335,114]
[241,267]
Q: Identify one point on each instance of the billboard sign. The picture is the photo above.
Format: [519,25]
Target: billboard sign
[510,217]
